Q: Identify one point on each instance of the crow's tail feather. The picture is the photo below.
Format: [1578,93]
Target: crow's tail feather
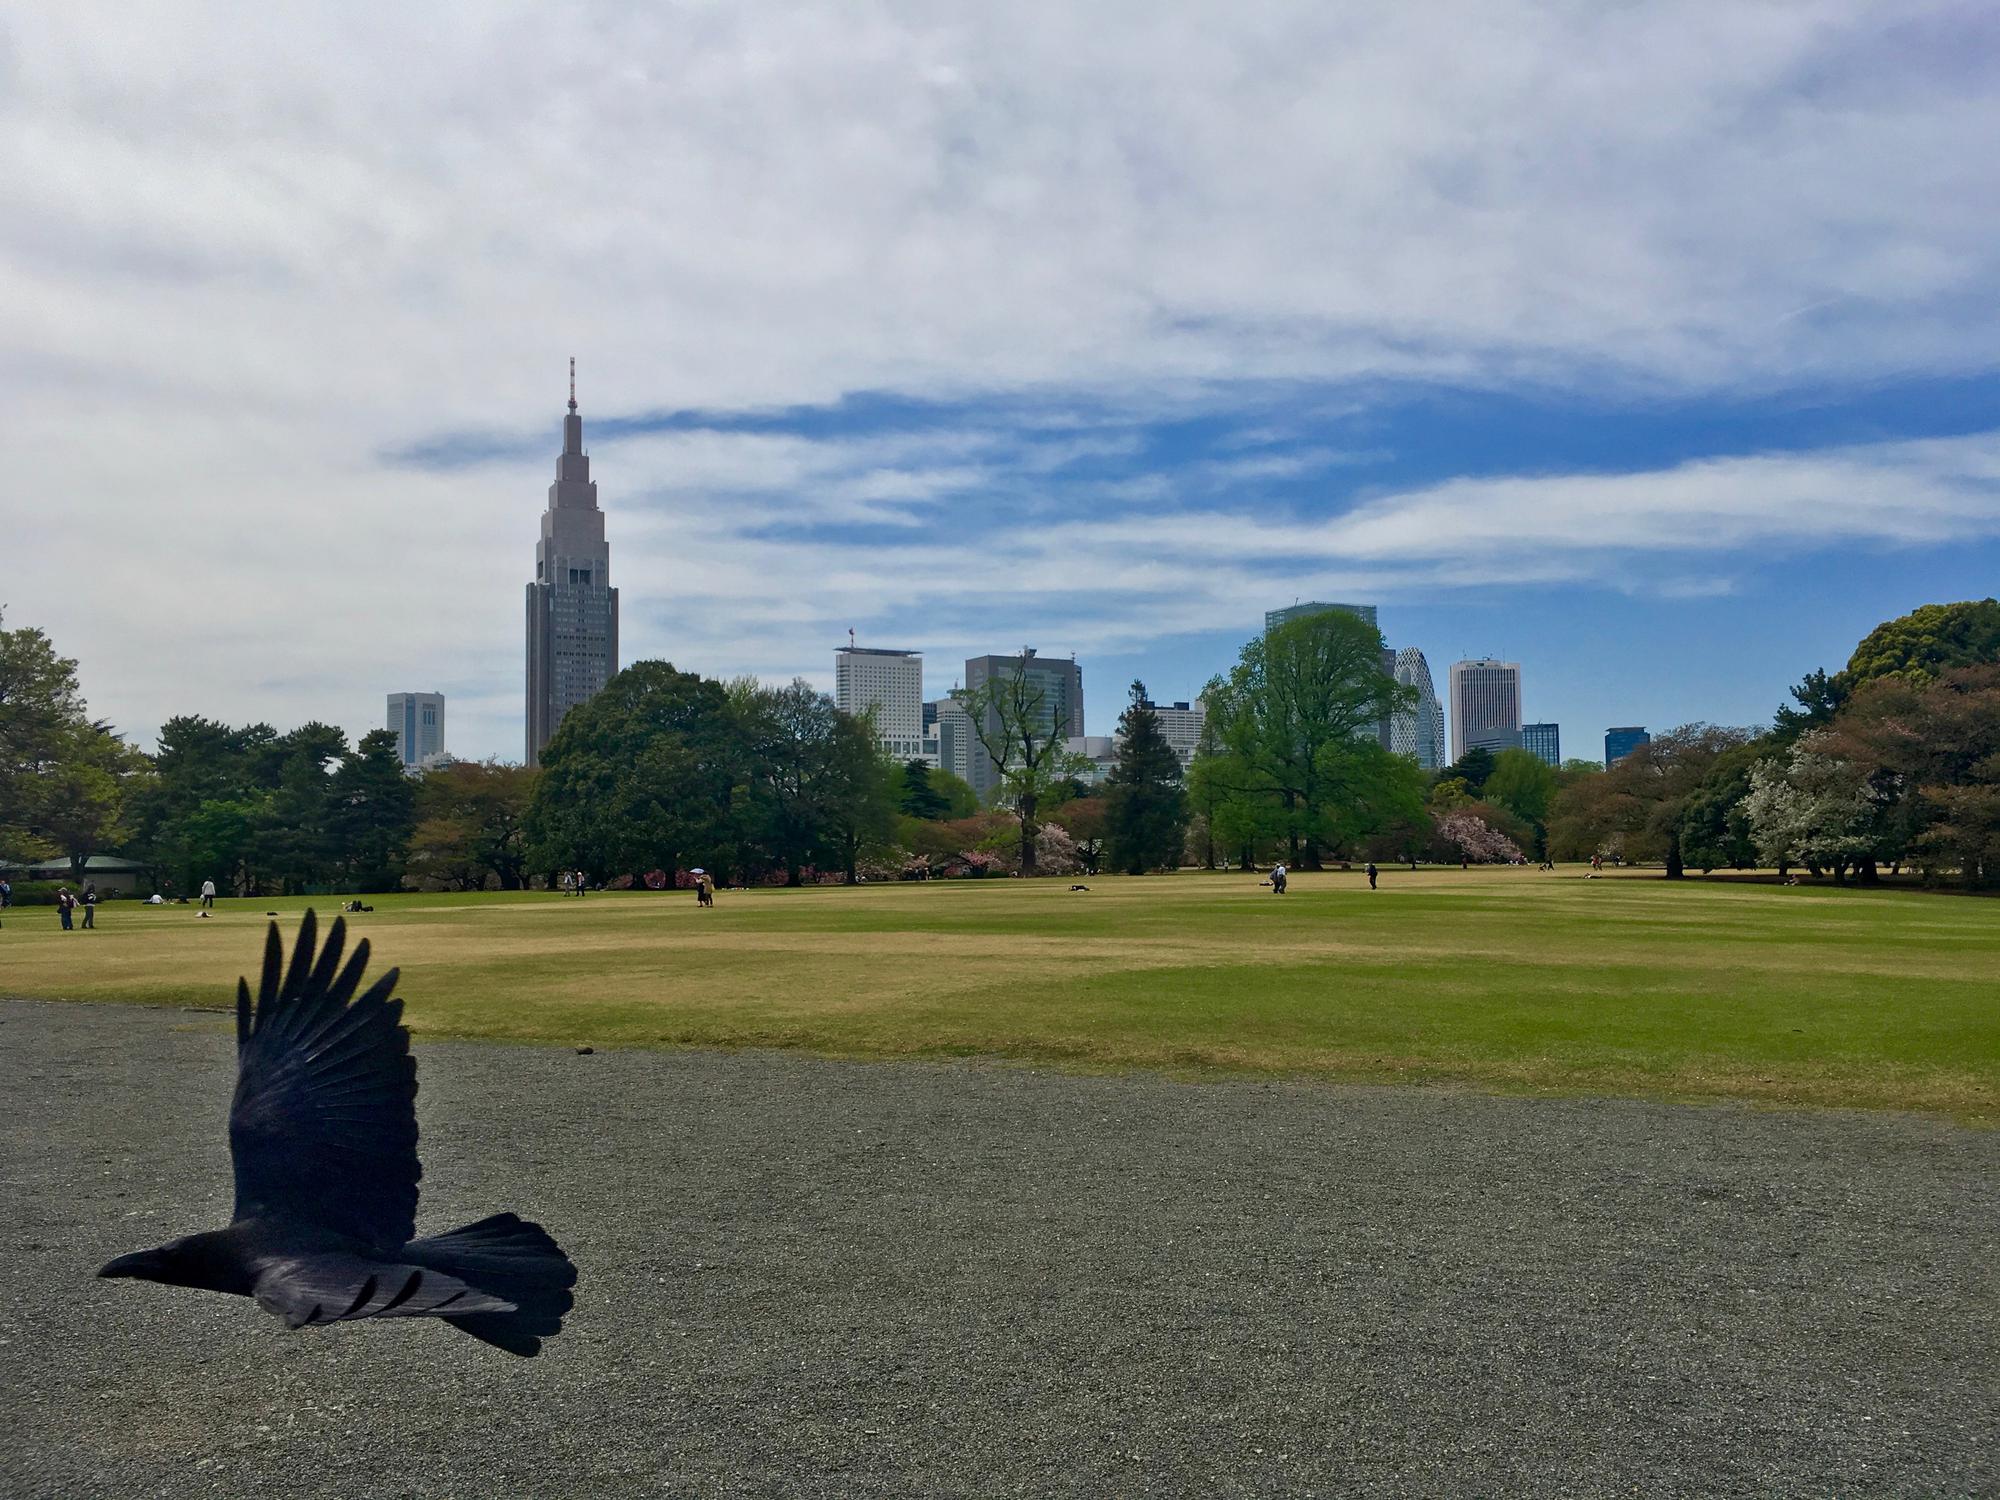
[511,1258]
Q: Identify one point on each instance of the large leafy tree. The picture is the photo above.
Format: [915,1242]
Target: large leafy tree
[1145,805]
[1022,727]
[1930,753]
[650,773]
[820,788]
[1297,755]
[473,824]
[65,780]
[1927,642]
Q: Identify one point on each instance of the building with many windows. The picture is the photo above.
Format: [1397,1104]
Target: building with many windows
[1619,743]
[1273,618]
[1485,706]
[1544,742]
[417,720]
[948,730]
[1181,726]
[1054,689]
[890,684]
[1418,731]
[572,607]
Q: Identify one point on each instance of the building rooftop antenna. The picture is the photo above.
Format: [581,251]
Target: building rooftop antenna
[572,382]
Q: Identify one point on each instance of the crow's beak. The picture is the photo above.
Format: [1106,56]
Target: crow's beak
[141,1264]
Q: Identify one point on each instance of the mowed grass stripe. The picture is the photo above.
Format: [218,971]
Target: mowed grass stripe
[1508,979]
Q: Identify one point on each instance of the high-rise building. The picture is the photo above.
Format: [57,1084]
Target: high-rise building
[1181,725]
[1418,731]
[1054,688]
[891,684]
[1619,743]
[1544,742]
[950,729]
[1485,705]
[418,722]
[1273,618]
[572,607]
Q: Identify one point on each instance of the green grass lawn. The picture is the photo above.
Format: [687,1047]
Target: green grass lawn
[1507,979]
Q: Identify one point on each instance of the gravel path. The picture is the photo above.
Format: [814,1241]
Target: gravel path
[806,1278]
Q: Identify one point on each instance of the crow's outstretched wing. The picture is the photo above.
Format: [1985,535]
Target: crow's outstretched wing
[324,1125]
[315,1289]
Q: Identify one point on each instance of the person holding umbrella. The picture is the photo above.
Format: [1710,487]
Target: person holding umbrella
[704,893]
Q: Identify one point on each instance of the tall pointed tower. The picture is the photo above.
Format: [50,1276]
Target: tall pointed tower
[572,607]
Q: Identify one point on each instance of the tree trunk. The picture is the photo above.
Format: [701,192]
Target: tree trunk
[1027,814]
[1675,869]
[1866,872]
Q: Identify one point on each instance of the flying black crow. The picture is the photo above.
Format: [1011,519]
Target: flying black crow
[323,1131]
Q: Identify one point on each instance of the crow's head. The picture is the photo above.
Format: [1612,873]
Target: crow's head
[183,1262]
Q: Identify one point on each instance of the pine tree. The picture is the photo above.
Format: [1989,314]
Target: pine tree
[1145,805]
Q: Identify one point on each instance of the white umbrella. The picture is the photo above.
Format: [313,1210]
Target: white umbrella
[697,872]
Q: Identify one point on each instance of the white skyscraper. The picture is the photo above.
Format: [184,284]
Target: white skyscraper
[417,719]
[1418,732]
[1485,705]
[891,683]
[572,607]
[1181,725]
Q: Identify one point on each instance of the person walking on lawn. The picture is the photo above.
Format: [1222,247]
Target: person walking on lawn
[90,904]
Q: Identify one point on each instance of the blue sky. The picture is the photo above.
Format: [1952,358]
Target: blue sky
[1652,346]
[1657,635]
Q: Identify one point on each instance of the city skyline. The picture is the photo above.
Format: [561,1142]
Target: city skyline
[1737,354]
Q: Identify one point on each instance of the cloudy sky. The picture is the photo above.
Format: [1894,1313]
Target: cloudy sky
[1653,345]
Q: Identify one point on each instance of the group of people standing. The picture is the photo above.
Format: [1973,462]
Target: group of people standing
[67,901]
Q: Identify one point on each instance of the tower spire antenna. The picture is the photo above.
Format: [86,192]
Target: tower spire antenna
[572,382]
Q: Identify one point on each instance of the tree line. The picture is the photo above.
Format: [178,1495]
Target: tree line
[1892,761]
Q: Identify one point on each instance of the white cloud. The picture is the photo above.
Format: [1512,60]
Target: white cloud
[245,251]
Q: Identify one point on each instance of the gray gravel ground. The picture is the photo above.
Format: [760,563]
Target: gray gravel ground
[804,1277]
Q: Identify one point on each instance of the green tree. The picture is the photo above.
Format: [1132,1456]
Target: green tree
[472,824]
[83,796]
[65,781]
[374,812]
[1145,805]
[1926,642]
[1815,700]
[1472,768]
[1930,753]
[860,799]
[651,773]
[1296,723]
[917,798]
[1524,784]
[1022,727]
[1715,823]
